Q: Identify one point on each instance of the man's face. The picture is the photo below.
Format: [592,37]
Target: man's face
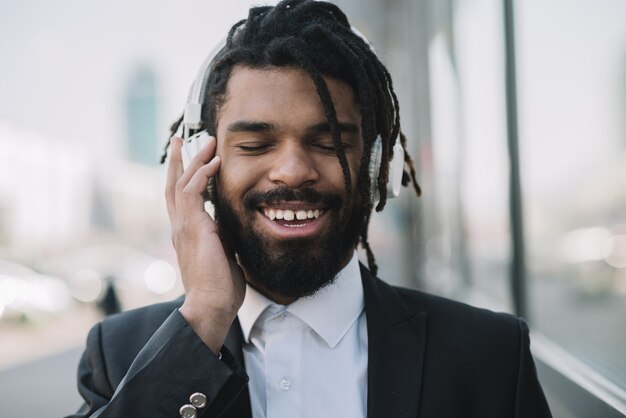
[278,161]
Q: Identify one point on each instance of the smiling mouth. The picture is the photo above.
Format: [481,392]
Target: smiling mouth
[292,218]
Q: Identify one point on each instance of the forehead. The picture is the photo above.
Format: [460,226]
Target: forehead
[287,93]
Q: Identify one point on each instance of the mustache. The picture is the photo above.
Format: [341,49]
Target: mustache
[284,194]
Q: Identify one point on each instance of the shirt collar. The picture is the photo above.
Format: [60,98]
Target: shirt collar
[330,312]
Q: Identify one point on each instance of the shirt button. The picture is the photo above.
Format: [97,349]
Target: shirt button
[281,317]
[285,384]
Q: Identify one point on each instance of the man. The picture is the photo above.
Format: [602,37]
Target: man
[279,318]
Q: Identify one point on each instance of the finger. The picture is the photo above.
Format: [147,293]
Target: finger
[205,154]
[174,171]
[193,193]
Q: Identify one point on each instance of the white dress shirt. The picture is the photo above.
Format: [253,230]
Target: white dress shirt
[309,358]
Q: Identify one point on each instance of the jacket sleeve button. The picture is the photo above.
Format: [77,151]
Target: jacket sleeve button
[198,400]
[188,411]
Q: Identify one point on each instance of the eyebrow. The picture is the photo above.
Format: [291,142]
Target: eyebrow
[322,127]
[250,126]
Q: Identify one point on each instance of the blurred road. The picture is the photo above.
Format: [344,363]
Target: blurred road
[45,388]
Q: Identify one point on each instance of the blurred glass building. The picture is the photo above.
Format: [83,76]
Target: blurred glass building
[516,115]
[141,116]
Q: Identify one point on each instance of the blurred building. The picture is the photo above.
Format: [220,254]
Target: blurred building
[141,116]
[45,192]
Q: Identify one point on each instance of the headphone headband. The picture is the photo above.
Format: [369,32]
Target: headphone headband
[192,117]
[192,120]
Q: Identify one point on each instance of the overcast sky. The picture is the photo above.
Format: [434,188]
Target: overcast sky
[64,64]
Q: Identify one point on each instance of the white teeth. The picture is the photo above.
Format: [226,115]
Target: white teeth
[290,215]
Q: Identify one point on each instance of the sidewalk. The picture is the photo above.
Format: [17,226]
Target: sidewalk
[45,388]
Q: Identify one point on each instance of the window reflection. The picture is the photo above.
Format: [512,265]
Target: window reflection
[573,145]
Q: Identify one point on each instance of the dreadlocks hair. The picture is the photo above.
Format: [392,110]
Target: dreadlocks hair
[317,37]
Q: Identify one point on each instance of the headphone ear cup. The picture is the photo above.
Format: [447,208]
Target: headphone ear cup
[396,170]
[374,169]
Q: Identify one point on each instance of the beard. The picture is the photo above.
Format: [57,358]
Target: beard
[295,267]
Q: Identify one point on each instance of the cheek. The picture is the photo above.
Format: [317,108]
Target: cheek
[237,177]
[226,183]
[354,161]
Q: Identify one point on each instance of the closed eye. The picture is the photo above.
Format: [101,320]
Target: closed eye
[254,149]
[330,147]
[325,147]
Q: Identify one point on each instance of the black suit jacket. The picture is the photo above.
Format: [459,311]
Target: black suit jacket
[428,357]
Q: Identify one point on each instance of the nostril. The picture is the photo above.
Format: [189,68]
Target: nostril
[294,175]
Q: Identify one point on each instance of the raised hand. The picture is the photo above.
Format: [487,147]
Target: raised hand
[213,282]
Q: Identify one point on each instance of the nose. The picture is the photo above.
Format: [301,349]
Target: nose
[293,167]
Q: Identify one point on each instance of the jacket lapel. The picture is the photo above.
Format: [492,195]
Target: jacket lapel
[396,347]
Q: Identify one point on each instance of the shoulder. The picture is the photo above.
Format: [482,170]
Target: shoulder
[462,341]
[140,321]
[113,343]
[443,309]
[450,321]
[136,326]
[128,331]
[464,325]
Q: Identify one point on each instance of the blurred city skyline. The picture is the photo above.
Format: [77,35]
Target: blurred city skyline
[65,63]
[68,73]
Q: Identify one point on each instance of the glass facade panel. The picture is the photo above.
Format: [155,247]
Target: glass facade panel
[484,166]
[572,101]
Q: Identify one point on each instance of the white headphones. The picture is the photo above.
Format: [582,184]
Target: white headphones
[192,120]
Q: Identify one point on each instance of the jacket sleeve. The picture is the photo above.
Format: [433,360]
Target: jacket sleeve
[530,401]
[171,366]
